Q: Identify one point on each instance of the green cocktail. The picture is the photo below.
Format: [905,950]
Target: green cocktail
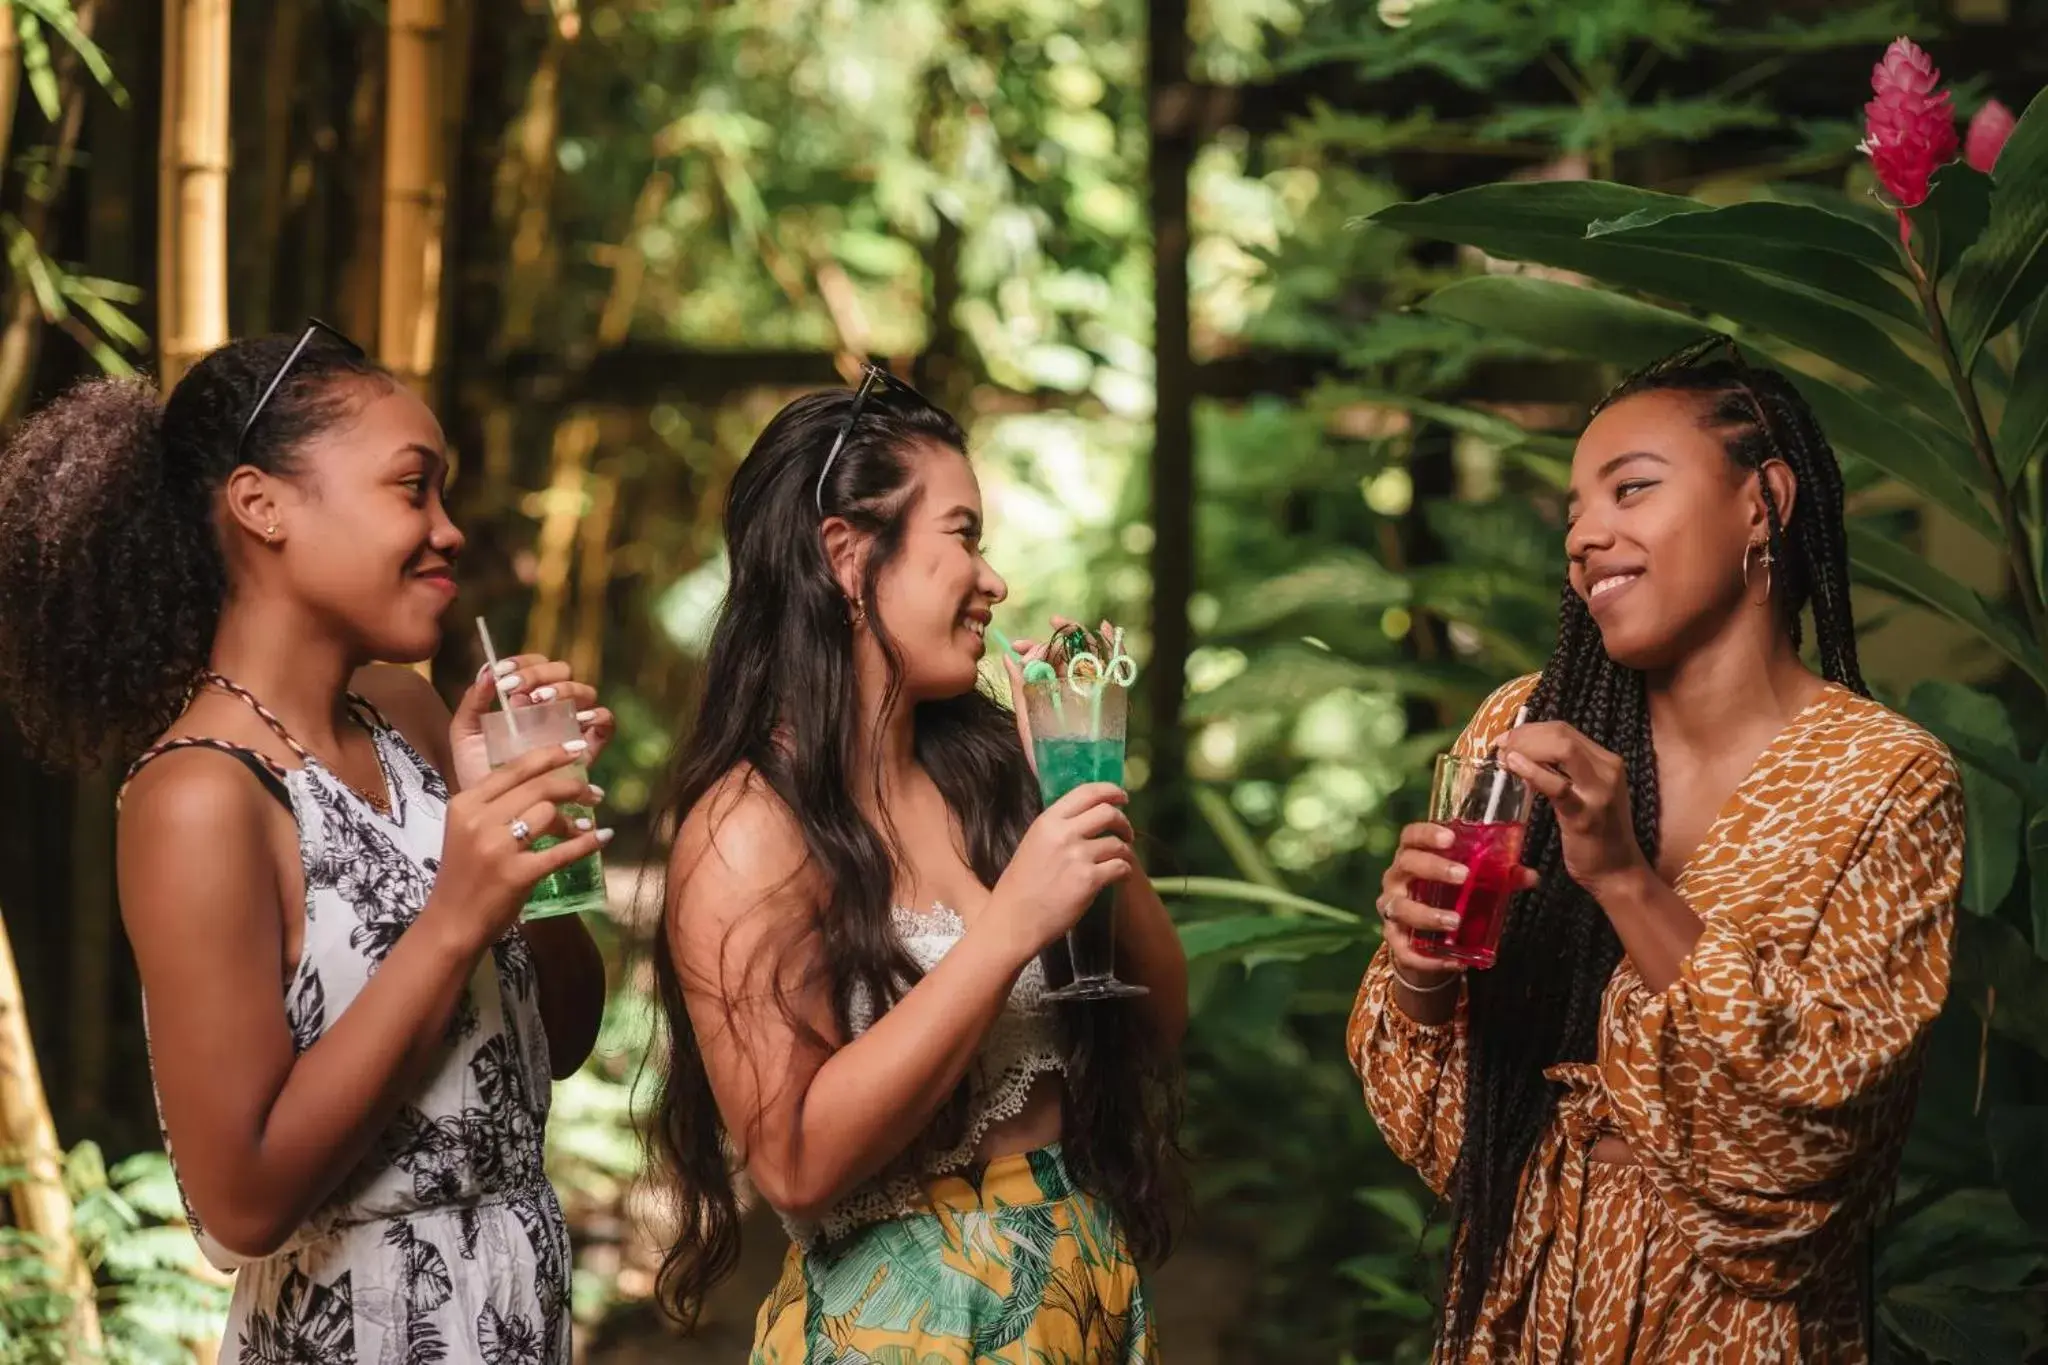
[579,887]
[1077,737]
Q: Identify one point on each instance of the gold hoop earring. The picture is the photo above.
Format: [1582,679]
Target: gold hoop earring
[856,613]
[1765,558]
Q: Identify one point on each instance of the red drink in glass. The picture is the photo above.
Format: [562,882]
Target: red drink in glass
[1490,852]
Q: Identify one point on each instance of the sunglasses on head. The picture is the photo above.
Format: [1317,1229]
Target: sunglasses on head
[314,327]
[872,377]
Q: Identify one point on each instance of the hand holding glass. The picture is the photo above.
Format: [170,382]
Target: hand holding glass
[579,887]
[1486,809]
[1078,738]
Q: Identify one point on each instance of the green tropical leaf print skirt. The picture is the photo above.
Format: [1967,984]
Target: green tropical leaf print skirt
[1008,1264]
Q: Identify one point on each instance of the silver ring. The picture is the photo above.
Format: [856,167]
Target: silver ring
[521,832]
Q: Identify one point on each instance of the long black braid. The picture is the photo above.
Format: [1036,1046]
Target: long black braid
[1541,1004]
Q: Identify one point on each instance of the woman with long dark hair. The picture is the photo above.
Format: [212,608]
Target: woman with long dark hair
[352,1037]
[861,882]
[1668,1120]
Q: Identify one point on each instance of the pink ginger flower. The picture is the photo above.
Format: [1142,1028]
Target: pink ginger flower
[1989,129]
[1910,128]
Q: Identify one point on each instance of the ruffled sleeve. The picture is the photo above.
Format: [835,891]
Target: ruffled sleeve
[1414,1073]
[1769,1086]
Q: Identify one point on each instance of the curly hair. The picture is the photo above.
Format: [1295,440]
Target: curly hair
[1541,1004]
[111,563]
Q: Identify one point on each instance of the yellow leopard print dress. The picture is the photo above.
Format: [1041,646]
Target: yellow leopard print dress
[1766,1093]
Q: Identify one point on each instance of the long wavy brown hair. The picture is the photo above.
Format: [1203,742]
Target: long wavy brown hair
[779,697]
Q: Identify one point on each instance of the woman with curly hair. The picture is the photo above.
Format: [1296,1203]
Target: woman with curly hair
[352,1042]
[1668,1119]
[860,886]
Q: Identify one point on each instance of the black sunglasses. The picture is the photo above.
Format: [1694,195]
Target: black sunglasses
[872,377]
[314,327]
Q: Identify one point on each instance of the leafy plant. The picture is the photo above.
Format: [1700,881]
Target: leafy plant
[157,1299]
[1924,352]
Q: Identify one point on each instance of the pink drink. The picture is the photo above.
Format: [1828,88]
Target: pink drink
[1490,853]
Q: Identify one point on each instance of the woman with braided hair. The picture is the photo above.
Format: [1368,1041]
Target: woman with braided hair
[1667,1120]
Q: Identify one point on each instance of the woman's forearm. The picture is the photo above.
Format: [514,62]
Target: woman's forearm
[572,988]
[343,1091]
[872,1097]
[1656,927]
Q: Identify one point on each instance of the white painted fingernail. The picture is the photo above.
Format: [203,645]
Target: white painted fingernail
[585,717]
[513,683]
[576,746]
[543,694]
[506,666]
[583,825]
[596,792]
[604,836]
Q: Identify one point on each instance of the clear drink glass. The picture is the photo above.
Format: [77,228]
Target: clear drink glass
[1486,809]
[579,887]
[1077,739]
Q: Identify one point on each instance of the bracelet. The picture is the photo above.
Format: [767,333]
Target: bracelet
[1421,990]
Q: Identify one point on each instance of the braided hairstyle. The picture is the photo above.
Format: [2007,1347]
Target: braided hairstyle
[111,563]
[1541,1004]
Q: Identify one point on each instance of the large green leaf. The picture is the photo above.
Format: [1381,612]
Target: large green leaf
[2007,270]
[1290,677]
[1546,222]
[1951,1326]
[1951,218]
[1992,851]
[1904,574]
[2023,431]
[1817,250]
[1604,326]
[1266,937]
[1594,323]
[1343,580]
[1996,974]
[1931,460]
[2037,880]
[1253,893]
[2019,1141]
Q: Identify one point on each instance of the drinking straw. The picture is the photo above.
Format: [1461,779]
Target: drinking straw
[1002,640]
[1500,775]
[497,683]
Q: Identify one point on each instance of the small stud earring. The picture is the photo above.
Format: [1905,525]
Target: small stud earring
[857,613]
[270,533]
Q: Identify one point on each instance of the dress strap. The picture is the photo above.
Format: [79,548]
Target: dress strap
[241,693]
[266,769]
[367,713]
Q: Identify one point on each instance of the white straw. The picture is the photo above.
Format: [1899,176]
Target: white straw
[497,683]
[1500,774]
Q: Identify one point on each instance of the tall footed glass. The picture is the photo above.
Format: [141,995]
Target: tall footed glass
[579,887]
[1077,737]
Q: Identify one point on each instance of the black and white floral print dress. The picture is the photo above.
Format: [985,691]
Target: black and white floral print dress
[446,1244]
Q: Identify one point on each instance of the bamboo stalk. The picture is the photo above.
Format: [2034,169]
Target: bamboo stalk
[192,288]
[415,194]
[10,81]
[274,198]
[594,575]
[21,337]
[28,1138]
[562,506]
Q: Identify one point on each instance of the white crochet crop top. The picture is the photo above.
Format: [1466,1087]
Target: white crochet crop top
[1022,1044]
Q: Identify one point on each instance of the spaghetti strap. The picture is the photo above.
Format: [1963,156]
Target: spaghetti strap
[243,694]
[267,770]
[367,712]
